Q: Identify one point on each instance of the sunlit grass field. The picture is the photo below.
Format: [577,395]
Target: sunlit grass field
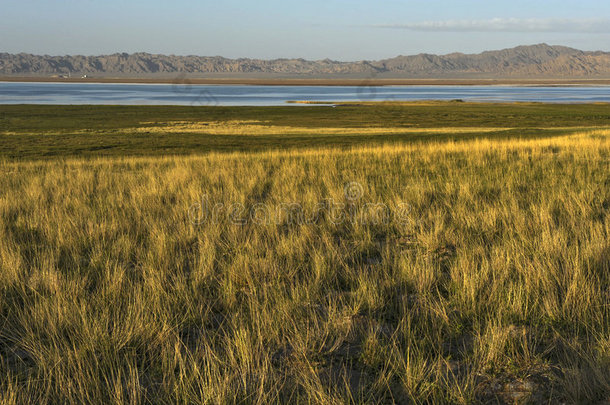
[34,132]
[431,263]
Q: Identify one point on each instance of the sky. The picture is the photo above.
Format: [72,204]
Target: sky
[345,30]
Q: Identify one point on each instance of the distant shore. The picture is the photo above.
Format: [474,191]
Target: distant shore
[318,82]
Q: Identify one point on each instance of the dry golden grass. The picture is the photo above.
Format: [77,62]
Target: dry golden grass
[493,283]
[261,128]
[254,128]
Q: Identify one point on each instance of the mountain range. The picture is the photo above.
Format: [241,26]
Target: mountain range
[532,61]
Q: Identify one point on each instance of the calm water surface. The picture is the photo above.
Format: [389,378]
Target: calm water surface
[200,95]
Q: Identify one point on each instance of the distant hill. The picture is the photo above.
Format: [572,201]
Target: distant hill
[524,61]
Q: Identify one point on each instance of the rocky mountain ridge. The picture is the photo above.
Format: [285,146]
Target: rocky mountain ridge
[540,60]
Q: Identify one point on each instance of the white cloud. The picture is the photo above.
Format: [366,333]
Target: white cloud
[591,25]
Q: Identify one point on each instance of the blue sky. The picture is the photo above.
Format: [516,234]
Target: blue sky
[314,29]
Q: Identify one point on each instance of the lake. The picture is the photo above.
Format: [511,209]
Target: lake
[235,95]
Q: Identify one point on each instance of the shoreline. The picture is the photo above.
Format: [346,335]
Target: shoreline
[318,82]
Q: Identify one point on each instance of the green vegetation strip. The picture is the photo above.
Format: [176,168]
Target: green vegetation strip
[30,132]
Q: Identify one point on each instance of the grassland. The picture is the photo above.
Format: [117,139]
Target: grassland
[51,132]
[147,254]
